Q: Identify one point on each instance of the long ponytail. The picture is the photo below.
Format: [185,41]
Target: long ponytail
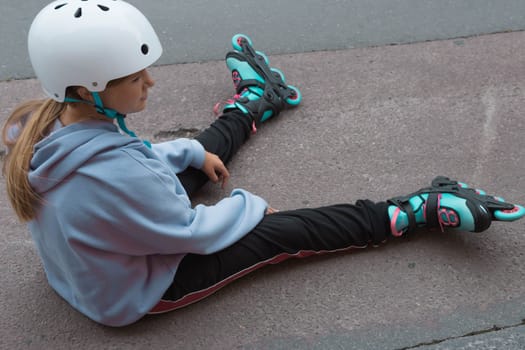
[29,123]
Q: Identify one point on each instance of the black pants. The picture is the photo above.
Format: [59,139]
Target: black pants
[279,236]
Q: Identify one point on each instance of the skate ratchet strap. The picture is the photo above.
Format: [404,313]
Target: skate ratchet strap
[490,202]
[283,91]
[445,185]
[431,210]
[246,84]
[258,63]
[430,206]
[404,204]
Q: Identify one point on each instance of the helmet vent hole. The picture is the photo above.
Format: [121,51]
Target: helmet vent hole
[145,49]
[59,6]
[103,8]
[78,13]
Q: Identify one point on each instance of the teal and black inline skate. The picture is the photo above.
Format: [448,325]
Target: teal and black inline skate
[261,91]
[449,204]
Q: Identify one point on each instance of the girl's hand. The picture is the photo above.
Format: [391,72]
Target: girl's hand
[215,169]
[271,210]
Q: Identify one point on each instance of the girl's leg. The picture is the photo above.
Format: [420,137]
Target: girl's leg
[261,94]
[224,138]
[301,233]
[298,234]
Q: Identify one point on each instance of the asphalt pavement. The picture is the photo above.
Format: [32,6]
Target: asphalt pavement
[375,122]
[195,31]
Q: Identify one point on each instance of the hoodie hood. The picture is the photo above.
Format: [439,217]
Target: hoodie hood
[67,148]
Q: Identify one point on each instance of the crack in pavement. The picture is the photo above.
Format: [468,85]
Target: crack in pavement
[494,328]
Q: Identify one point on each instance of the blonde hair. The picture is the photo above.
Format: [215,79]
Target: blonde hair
[29,123]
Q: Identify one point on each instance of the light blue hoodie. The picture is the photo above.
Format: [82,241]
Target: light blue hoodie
[115,220]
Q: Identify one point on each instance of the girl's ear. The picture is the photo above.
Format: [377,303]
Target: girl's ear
[84,94]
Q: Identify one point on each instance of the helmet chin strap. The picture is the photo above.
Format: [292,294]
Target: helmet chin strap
[108,112]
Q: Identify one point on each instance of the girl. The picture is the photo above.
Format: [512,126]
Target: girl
[110,215]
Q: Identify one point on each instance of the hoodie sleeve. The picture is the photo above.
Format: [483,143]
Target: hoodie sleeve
[146,211]
[180,153]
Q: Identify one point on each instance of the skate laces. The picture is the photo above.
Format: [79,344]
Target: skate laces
[221,104]
[233,100]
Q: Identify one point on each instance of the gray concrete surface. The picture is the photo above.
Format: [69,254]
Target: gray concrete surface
[508,339]
[194,31]
[375,122]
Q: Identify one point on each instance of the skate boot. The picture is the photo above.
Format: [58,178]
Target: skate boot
[261,91]
[449,204]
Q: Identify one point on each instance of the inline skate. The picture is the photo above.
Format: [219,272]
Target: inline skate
[449,204]
[261,91]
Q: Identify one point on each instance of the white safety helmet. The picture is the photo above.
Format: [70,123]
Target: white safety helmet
[89,43]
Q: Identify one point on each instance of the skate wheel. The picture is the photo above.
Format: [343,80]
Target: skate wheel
[264,57]
[237,40]
[278,74]
[510,215]
[296,98]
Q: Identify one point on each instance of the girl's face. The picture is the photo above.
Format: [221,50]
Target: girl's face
[129,95]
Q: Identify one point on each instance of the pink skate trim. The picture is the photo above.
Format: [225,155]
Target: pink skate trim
[393,221]
[234,98]
[294,96]
[169,305]
[438,212]
[236,77]
[216,108]
[513,210]
[232,101]
[451,216]
[218,105]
